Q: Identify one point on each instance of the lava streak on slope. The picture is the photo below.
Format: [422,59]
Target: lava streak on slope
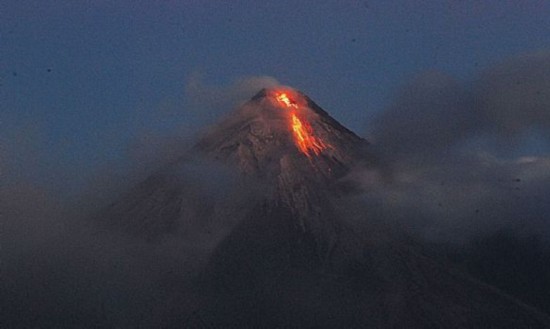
[303,134]
[285,100]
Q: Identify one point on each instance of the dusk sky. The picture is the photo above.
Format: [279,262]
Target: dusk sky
[80,81]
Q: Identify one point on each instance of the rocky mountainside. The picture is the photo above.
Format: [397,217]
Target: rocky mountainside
[300,165]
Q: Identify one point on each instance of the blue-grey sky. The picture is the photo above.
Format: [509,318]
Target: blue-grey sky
[82,80]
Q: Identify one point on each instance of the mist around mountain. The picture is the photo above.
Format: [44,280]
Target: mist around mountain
[418,229]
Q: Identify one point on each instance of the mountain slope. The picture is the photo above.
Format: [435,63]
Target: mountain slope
[288,255]
[266,274]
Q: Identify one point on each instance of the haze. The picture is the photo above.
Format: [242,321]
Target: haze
[454,97]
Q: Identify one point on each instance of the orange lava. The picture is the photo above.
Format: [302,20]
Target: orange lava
[303,134]
[283,98]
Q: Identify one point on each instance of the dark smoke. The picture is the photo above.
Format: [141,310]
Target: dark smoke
[435,113]
[468,158]
[466,168]
[515,95]
[58,269]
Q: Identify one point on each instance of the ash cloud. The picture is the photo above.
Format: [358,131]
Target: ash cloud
[435,113]
[465,168]
[515,95]
[59,269]
[467,159]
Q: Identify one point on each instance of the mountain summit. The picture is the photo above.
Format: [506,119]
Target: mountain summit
[283,138]
[279,124]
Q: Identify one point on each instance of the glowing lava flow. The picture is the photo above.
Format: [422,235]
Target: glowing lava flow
[303,133]
[283,98]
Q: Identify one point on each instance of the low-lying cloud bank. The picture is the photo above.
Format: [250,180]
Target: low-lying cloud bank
[59,270]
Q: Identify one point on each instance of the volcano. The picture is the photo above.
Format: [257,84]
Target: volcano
[285,140]
[289,253]
[299,168]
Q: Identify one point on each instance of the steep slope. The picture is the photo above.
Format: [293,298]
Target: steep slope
[293,146]
[265,274]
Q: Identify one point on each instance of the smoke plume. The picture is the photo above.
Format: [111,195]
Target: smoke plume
[467,159]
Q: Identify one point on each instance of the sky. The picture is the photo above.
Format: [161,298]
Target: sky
[83,83]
